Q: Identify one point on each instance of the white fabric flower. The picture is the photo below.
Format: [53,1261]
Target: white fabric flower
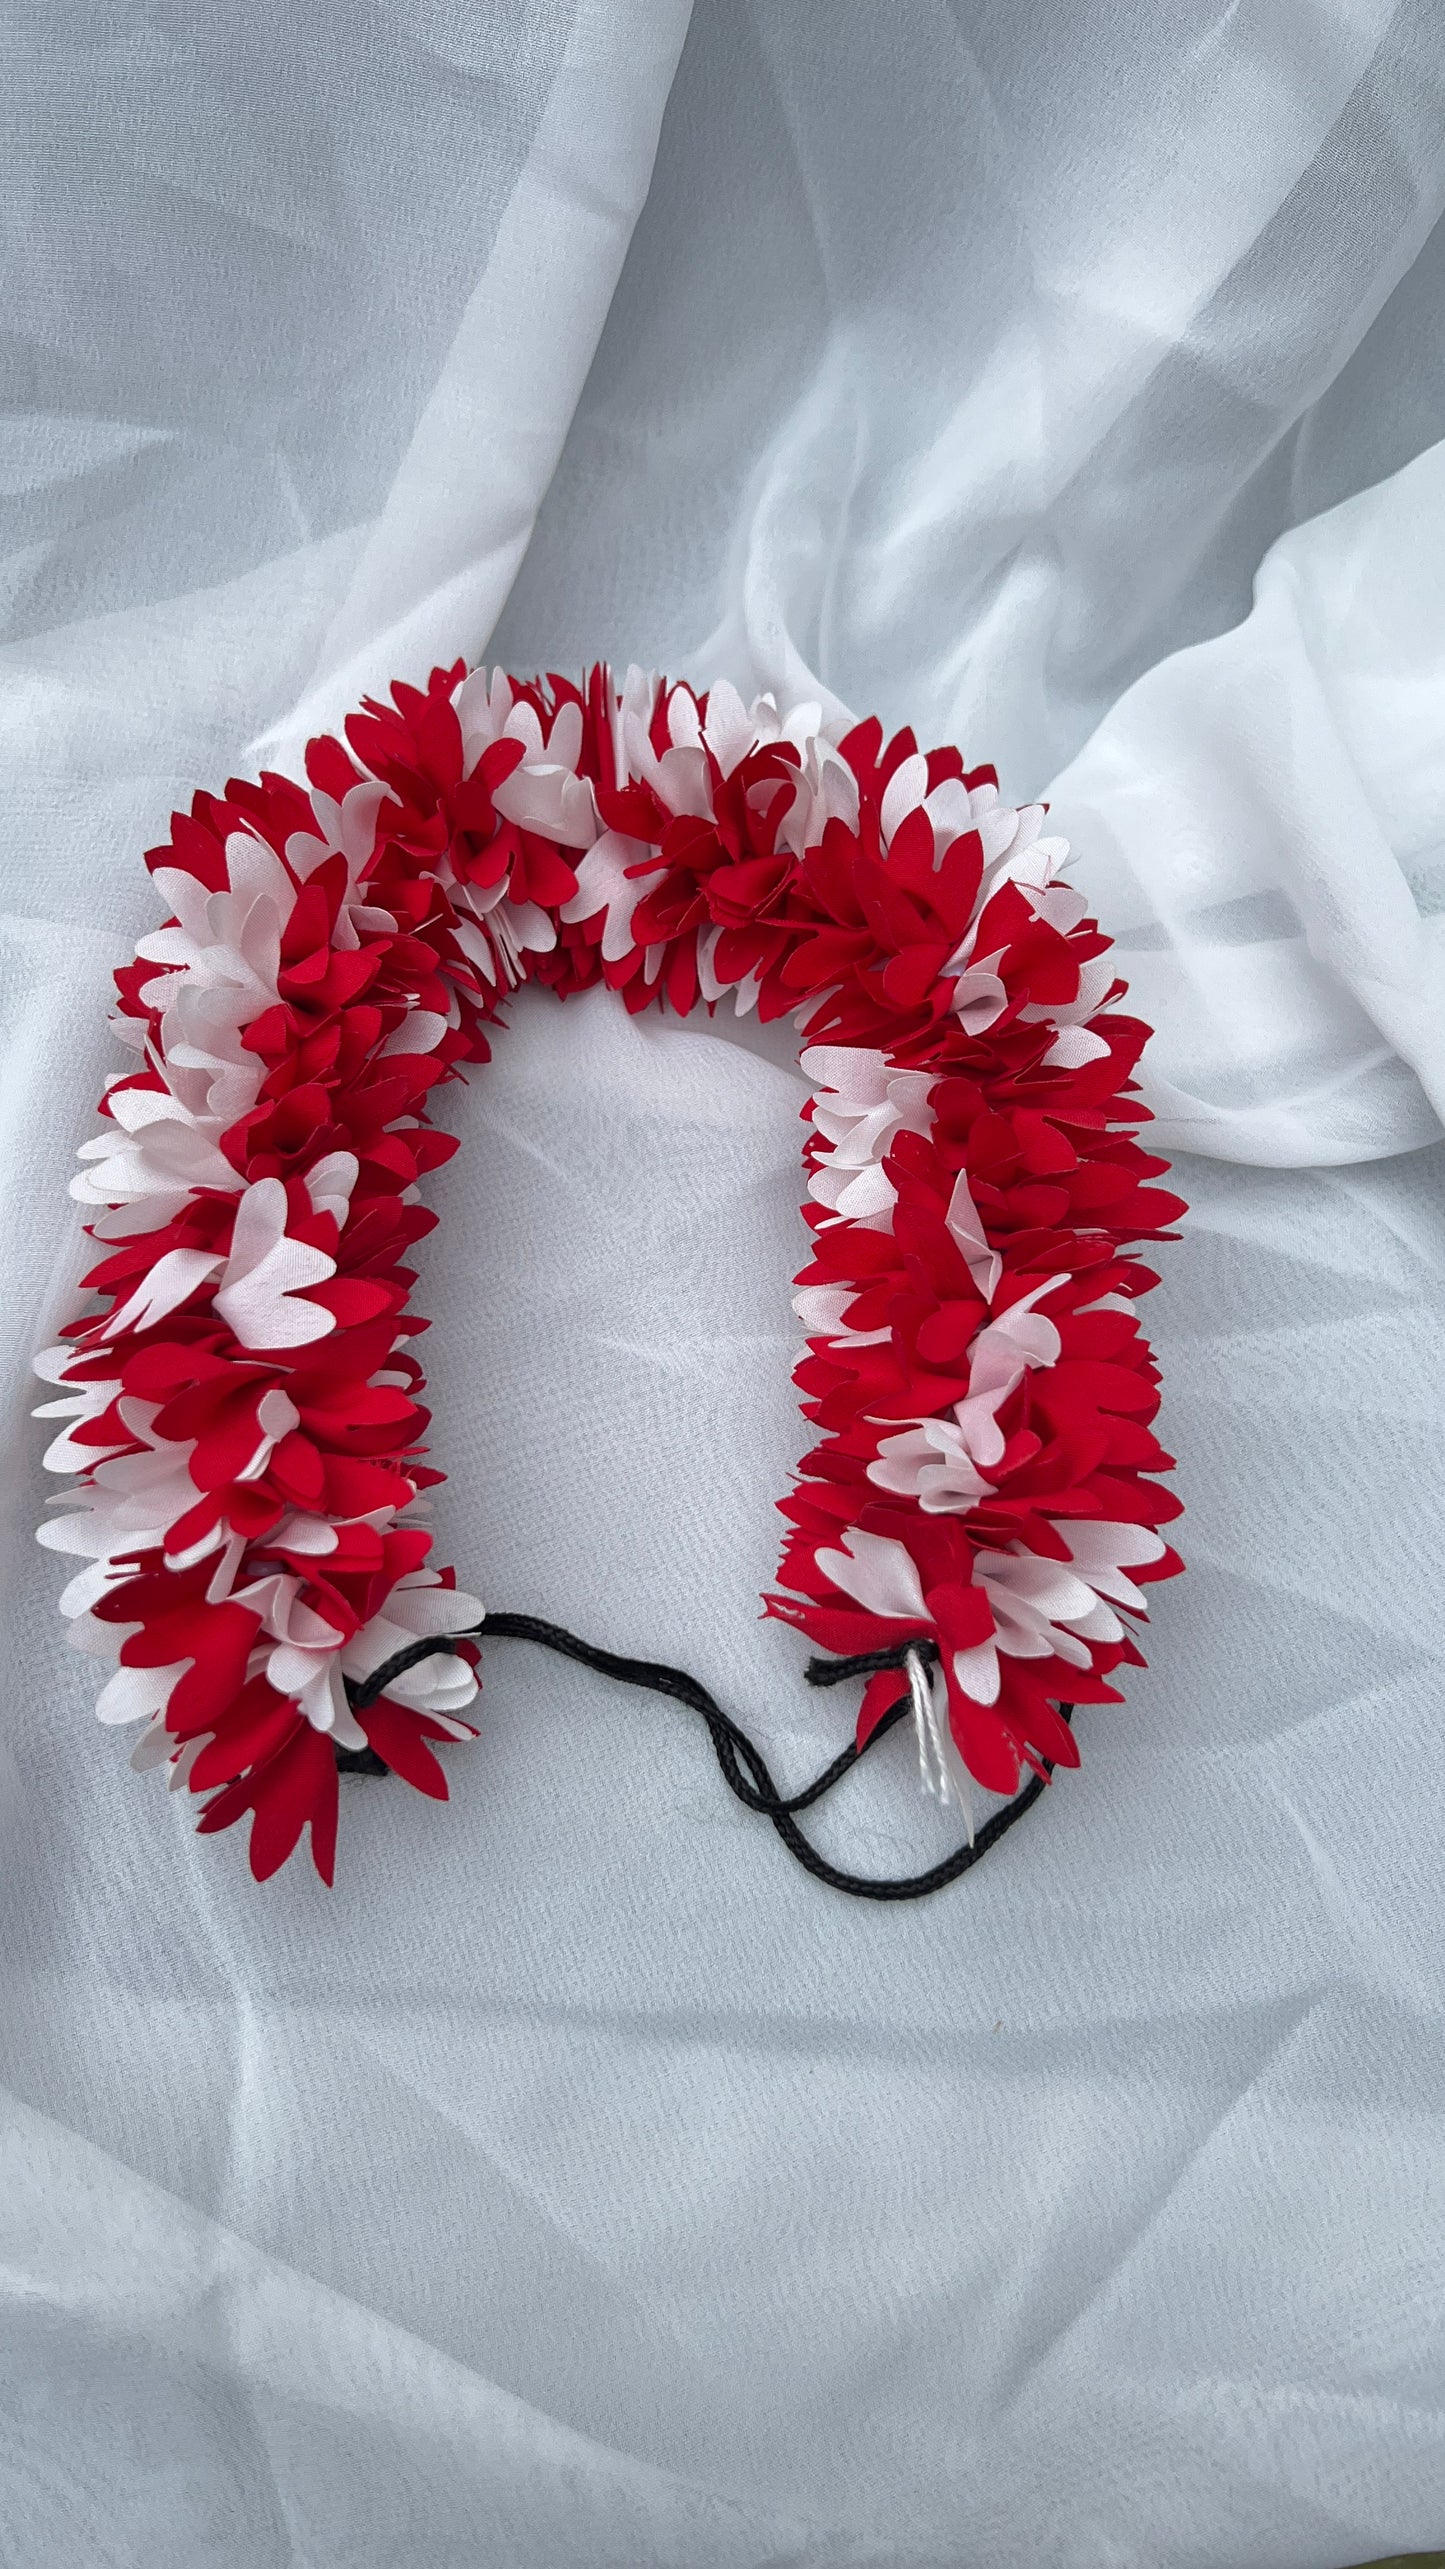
[226,942]
[158,1148]
[220,958]
[545,792]
[941,1461]
[130,1500]
[931,1461]
[80,1403]
[262,1277]
[606,882]
[879,1573]
[1043,1608]
[966,1224]
[348,829]
[261,1292]
[419,1605]
[306,1658]
[1002,1353]
[861,1102]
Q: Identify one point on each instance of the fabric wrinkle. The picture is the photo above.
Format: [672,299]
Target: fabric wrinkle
[578,2184]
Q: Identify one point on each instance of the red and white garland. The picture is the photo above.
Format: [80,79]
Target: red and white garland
[244,1415]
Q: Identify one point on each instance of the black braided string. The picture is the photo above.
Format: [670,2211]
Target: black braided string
[744,1768]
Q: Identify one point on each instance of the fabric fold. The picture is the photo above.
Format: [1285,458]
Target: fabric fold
[1261,822]
[436,566]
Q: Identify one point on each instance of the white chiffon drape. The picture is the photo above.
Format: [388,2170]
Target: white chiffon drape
[577,2183]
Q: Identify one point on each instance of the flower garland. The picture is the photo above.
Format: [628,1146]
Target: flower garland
[244,1415]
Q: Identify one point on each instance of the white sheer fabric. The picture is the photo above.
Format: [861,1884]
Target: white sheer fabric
[577,2183]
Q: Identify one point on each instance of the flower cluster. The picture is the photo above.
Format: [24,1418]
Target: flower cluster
[244,1414]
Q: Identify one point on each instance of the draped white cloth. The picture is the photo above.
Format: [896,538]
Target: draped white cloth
[578,2183]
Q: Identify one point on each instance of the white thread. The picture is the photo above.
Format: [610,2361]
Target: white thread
[939,1764]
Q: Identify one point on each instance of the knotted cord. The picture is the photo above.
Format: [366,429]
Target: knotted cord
[745,1769]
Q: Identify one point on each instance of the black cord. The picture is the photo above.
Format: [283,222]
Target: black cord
[744,1767]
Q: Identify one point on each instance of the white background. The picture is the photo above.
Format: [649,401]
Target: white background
[578,2183]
